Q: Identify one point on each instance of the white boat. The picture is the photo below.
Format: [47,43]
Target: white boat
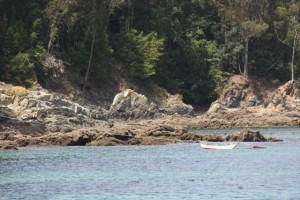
[211,146]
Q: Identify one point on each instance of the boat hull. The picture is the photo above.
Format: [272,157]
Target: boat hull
[208,146]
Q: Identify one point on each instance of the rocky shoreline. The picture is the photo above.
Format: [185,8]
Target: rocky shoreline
[41,118]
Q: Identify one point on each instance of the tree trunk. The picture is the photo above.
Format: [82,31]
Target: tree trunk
[293,56]
[87,74]
[52,33]
[246,58]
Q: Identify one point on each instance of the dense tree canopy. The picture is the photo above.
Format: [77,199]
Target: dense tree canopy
[189,47]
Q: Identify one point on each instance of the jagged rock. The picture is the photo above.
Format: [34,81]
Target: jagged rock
[286,97]
[216,108]
[4,118]
[16,126]
[8,145]
[240,92]
[6,100]
[22,142]
[174,104]
[131,105]
[163,130]
[7,112]
[107,141]
[296,90]
[248,135]
[67,139]
[79,139]
[125,137]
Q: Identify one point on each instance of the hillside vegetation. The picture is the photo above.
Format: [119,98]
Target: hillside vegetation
[96,48]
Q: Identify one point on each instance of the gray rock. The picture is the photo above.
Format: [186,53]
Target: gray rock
[7,112]
[131,105]
[246,135]
[215,108]
[6,100]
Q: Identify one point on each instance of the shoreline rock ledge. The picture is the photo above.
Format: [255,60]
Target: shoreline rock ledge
[40,118]
[159,135]
[248,135]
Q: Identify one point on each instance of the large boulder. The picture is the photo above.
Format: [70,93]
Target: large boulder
[248,135]
[239,92]
[286,97]
[174,104]
[242,92]
[215,109]
[131,105]
[6,113]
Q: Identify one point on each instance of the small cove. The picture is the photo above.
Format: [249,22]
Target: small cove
[177,171]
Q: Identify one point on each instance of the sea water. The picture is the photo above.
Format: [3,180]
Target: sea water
[177,171]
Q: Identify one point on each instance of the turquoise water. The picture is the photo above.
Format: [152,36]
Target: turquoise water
[180,171]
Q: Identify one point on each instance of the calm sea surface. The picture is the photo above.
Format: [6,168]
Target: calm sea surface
[180,171]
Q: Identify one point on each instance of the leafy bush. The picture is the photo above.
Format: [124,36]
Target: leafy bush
[140,52]
[15,39]
[22,69]
[219,77]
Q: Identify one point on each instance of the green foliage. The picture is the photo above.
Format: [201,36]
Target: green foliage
[288,23]
[190,50]
[219,77]
[22,69]
[16,39]
[252,29]
[231,51]
[247,17]
[290,28]
[140,52]
[203,43]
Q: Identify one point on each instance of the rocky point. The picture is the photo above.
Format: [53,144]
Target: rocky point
[38,117]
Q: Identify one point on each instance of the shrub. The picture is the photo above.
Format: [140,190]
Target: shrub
[22,69]
[140,53]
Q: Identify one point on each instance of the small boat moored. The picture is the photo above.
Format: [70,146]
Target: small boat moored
[211,146]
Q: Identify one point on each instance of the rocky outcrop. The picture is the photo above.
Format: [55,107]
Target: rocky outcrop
[6,100]
[248,135]
[246,102]
[163,134]
[285,98]
[216,109]
[39,118]
[241,92]
[131,105]
[8,145]
[173,104]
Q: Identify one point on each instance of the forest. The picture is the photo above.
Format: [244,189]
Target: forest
[189,47]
